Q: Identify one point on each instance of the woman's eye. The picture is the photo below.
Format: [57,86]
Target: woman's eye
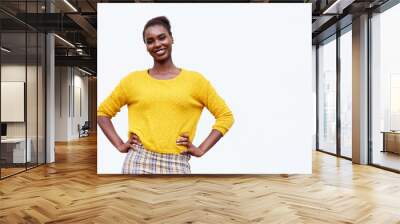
[162,37]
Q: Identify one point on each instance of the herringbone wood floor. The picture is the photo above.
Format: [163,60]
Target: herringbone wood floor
[70,191]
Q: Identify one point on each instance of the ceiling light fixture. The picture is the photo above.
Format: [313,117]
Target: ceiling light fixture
[331,7]
[70,5]
[86,72]
[79,51]
[338,6]
[5,49]
[65,41]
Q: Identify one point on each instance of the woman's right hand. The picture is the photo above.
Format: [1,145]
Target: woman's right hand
[133,140]
[124,148]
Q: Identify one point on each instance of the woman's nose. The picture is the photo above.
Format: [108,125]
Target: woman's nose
[157,43]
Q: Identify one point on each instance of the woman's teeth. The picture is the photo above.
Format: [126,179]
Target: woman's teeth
[160,52]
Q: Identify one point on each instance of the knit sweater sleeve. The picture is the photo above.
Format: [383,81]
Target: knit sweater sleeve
[217,106]
[114,102]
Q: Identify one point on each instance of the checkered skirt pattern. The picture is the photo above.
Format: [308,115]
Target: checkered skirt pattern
[142,161]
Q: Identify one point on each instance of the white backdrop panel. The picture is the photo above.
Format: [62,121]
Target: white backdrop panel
[257,56]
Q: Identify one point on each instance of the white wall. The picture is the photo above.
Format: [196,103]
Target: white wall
[11,73]
[61,103]
[68,83]
[81,82]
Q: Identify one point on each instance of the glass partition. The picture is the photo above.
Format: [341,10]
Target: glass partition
[327,96]
[385,89]
[13,95]
[22,64]
[346,94]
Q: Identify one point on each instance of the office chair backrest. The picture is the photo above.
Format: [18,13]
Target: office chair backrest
[86,125]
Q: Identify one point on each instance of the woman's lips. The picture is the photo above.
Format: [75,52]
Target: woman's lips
[160,51]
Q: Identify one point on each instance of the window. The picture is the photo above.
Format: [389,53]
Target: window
[385,89]
[327,96]
[346,94]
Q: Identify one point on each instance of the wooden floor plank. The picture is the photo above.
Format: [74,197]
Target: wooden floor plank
[70,191]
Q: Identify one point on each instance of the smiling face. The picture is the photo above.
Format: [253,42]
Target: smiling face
[158,42]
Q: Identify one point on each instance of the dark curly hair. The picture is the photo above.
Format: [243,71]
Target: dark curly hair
[160,20]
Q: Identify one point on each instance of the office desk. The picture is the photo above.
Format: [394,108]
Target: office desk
[13,150]
[391,141]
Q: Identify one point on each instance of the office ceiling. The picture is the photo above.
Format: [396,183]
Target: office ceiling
[77,22]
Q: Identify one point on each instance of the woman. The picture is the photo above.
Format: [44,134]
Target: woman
[164,107]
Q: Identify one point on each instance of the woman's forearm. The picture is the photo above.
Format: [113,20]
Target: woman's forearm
[108,129]
[210,141]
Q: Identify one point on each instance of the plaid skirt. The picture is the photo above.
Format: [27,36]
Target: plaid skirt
[142,161]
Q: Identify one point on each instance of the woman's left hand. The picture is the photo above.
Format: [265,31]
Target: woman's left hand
[191,149]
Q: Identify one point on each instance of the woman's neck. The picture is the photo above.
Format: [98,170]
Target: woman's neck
[165,67]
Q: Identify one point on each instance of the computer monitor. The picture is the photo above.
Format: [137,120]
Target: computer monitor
[3,129]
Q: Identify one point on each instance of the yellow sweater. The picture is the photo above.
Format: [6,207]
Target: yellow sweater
[160,110]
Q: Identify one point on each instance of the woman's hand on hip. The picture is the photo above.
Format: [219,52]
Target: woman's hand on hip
[190,148]
[124,148]
[133,140]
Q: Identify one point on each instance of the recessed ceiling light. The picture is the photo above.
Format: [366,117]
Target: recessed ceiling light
[70,5]
[338,6]
[86,72]
[64,40]
[5,50]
